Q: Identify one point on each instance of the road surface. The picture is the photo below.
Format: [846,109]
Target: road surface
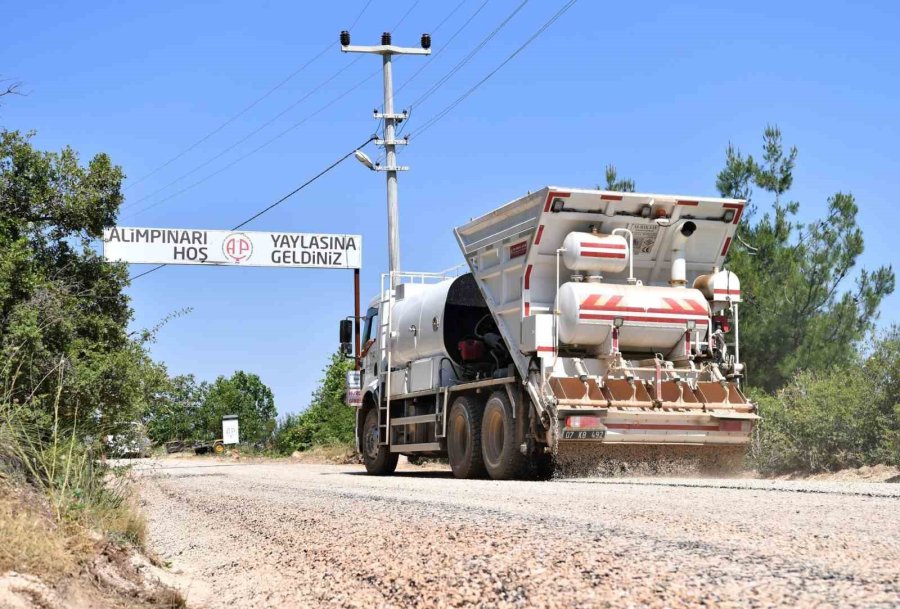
[280,534]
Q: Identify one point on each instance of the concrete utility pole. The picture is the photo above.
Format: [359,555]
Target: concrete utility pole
[391,120]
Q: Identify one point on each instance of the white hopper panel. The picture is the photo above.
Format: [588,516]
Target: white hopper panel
[512,250]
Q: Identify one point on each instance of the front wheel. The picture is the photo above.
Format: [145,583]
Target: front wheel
[378,459]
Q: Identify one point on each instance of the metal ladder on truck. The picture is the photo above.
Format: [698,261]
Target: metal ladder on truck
[384,360]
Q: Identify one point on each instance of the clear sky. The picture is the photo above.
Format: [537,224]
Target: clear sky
[657,88]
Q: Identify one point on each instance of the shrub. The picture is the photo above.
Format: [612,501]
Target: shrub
[848,416]
[328,420]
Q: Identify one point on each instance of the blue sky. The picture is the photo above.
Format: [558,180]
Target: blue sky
[657,88]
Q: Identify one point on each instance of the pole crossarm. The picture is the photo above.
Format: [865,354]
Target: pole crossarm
[385,49]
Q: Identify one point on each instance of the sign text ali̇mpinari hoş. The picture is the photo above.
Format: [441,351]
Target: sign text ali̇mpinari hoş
[237,248]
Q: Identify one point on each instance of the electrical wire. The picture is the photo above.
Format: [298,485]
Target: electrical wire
[272,120]
[263,126]
[247,108]
[258,148]
[443,46]
[440,115]
[465,60]
[269,208]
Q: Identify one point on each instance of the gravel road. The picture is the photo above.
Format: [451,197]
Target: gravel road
[280,534]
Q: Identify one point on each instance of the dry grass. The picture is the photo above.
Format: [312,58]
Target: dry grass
[340,454]
[30,539]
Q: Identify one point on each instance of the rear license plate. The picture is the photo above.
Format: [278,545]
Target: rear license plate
[586,434]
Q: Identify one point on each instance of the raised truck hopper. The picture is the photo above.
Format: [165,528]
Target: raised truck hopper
[618,313]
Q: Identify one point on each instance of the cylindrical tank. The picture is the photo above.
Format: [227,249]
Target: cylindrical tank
[720,287]
[595,252]
[420,303]
[654,319]
[430,320]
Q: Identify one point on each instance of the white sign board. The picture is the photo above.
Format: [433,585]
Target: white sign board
[354,388]
[230,433]
[235,248]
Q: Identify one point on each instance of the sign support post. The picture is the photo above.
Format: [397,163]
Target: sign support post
[356,315]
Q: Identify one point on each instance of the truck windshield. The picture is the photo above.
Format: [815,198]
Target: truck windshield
[371,325]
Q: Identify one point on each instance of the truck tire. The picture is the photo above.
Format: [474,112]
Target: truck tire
[502,457]
[379,460]
[464,438]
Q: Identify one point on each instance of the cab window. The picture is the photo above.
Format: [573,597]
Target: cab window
[371,327]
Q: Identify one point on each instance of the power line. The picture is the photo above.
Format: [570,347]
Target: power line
[246,109]
[444,45]
[258,148]
[216,157]
[269,208]
[264,125]
[459,65]
[469,92]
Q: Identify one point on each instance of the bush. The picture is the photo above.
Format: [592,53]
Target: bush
[328,420]
[845,417]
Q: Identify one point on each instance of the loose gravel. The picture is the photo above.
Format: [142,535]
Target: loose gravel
[294,535]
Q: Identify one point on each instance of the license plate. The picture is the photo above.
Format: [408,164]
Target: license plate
[586,434]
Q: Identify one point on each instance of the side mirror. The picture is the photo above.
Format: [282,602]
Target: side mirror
[346,336]
[346,330]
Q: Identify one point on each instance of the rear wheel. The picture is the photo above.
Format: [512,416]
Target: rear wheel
[378,459]
[464,438]
[502,457]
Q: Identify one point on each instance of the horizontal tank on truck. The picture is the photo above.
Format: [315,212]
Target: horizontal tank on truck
[580,316]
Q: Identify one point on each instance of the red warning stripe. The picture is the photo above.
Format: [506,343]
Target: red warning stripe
[611,197]
[612,305]
[728,292]
[738,210]
[554,195]
[605,246]
[700,321]
[689,203]
[540,233]
[726,246]
[527,276]
[603,255]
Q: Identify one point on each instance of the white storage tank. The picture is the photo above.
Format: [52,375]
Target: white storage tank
[653,318]
[595,252]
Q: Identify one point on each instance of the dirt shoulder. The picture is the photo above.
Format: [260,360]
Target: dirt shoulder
[45,564]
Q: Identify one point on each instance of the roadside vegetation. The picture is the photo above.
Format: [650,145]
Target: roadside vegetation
[328,422]
[71,373]
[827,382]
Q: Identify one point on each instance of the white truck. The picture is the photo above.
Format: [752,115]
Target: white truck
[586,316]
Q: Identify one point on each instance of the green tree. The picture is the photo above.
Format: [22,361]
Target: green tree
[63,313]
[800,312]
[614,183]
[328,420]
[244,395]
[174,413]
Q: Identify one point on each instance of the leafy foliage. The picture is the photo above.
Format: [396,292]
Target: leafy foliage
[799,312]
[847,416]
[614,183]
[63,313]
[191,411]
[245,395]
[328,420]
[174,412]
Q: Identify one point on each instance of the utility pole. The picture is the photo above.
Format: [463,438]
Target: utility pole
[390,143]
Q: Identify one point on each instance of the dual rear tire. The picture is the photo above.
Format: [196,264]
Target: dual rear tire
[481,441]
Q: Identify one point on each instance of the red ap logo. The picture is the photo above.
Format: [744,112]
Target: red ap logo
[237,247]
